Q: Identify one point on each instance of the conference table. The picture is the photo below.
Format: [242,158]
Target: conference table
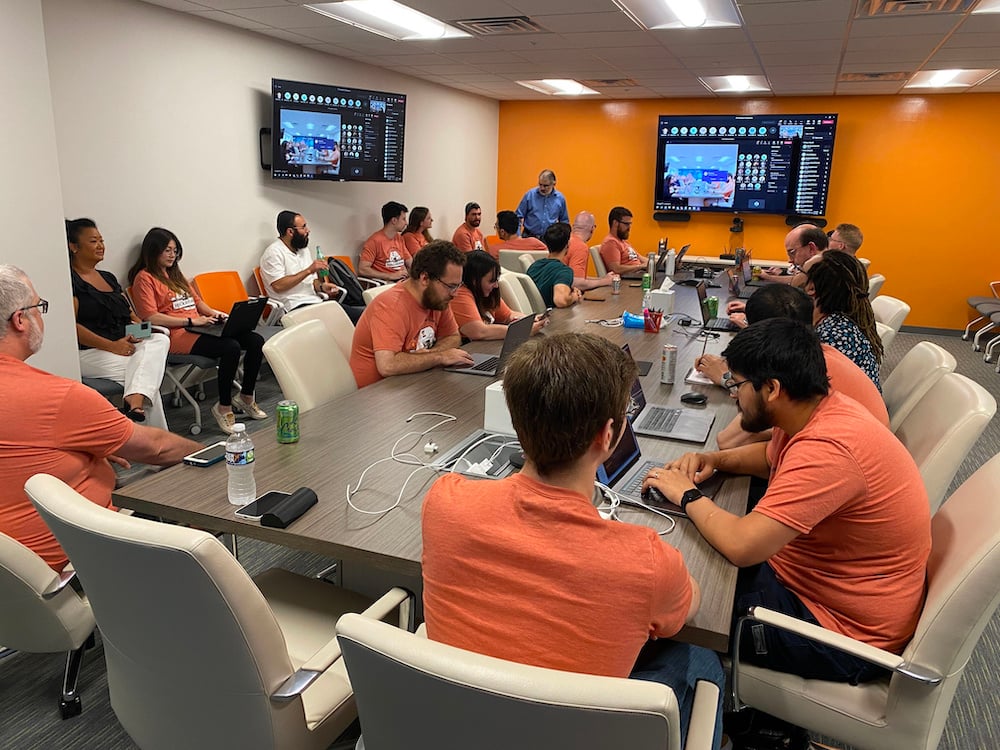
[343,438]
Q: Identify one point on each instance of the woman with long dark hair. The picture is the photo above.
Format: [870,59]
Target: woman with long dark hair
[478,309]
[418,230]
[842,314]
[164,297]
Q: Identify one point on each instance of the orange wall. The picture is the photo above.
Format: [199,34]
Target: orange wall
[916,173]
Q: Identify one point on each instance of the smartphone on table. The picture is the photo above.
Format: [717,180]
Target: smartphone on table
[263,504]
[207,456]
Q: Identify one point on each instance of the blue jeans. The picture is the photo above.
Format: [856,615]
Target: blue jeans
[679,666]
[784,651]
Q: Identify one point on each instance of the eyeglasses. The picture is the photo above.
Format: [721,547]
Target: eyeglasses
[452,288]
[792,251]
[734,387]
[42,305]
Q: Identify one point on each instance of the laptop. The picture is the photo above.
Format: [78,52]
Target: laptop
[623,472]
[490,365]
[639,271]
[680,275]
[673,423]
[243,318]
[709,323]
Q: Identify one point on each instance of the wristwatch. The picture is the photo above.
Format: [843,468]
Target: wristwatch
[727,378]
[690,496]
[188,324]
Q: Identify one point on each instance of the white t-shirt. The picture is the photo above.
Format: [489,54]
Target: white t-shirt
[276,263]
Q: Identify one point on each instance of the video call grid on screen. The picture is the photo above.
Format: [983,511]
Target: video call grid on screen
[749,163]
[325,132]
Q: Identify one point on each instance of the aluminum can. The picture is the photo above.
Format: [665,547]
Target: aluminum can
[616,286]
[288,422]
[647,282]
[668,364]
[712,303]
[755,273]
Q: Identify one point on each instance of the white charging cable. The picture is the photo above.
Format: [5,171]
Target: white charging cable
[617,500]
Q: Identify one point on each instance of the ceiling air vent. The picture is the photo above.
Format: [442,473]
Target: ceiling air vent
[498,26]
[610,83]
[864,77]
[880,8]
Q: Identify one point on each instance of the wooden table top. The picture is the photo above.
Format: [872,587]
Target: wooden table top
[343,437]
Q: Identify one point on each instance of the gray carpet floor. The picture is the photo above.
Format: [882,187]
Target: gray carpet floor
[30,683]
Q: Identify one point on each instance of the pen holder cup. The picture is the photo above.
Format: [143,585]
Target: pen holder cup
[652,321]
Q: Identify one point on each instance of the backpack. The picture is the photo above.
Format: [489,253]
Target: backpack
[342,275]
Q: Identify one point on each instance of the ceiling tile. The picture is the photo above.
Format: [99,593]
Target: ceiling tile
[178,5]
[804,11]
[794,31]
[873,87]
[600,40]
[222,17]
[234,4]
[571,23]
[534,8]
[938,24]
[976,57]
[965,41]
[921,45]
[288,17]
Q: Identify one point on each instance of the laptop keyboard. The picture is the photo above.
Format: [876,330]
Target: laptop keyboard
[720,324]
[489,364]
[634,486]
[661,420]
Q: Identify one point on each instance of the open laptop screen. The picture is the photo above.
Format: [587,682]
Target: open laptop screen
[621,459]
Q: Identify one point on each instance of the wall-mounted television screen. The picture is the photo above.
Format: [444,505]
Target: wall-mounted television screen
[336,133]
[772,164]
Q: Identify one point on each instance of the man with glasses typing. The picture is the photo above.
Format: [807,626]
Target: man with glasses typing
[616,252]
[410,328]
[57,426]
[803,243]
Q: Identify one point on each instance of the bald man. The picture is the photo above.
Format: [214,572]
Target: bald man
[578,254]
[803,243]
[543,206]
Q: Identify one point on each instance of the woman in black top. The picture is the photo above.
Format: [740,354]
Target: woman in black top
[102,311]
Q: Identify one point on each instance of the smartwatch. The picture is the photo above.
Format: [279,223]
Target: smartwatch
[690,496]
[188,324]
[727,378]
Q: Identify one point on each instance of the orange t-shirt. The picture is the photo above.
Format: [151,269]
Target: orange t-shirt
[386,255]
[853,493]
[524,244]
[577,256]
[528,572]
[463,307]
[150,295]
[467,239]
[849,379]
[53,426]
[395,322]
[618,252]
[414,241]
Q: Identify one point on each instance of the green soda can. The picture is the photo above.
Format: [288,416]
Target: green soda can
[288,422]
[647,282]
[712,303]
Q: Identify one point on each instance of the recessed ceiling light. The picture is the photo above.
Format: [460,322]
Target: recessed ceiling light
[948,79]
[558,87]
[987,6]
[736,84]
[389,19]
[681,14]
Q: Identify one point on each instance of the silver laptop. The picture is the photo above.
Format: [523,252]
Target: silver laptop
[708,322]
[623,472]
[490,365]
[667,421]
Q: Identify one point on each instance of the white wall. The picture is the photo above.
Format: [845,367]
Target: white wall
[30,202]
[157,116]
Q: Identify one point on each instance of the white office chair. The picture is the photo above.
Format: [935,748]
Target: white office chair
[909,709]
[886,334]
[332,315]
[530,257]
[890,311]
[909,381]
[416,693]
[510,260]
[595,255]
[984,307]
[875,282]
[198,654]
[534,297]
[865,262]
[309,365]
[42,614]
[942,427]
[512,293]
[374,291]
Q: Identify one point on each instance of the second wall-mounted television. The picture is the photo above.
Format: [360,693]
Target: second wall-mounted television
[772,164]
[336,133]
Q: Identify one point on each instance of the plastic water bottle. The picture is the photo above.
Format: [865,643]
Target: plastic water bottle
[671,261]
[323,273]
[239,462]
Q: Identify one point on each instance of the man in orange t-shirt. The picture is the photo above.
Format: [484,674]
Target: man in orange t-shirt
[384,255]
[842,535]
[58,426]
[578,254]
[507,226]
[410,328]
[616,252]
[468,237]
[502,566]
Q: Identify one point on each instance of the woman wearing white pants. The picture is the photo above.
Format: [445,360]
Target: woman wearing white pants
[102,312]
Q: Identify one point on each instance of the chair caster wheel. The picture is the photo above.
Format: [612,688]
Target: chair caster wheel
[69,709]
[200,396]
[195,429]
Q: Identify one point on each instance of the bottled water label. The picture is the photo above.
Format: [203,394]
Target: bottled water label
[239,458]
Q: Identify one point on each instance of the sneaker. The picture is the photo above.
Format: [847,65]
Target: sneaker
[251,410]
[226,420]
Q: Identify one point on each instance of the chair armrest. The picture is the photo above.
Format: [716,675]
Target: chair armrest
[277,310]
[701,728]
[323,659]
[368,283]
[880,657]
[995,288]
[58,584]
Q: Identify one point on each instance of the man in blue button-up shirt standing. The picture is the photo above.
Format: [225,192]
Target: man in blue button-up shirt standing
[542,206]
